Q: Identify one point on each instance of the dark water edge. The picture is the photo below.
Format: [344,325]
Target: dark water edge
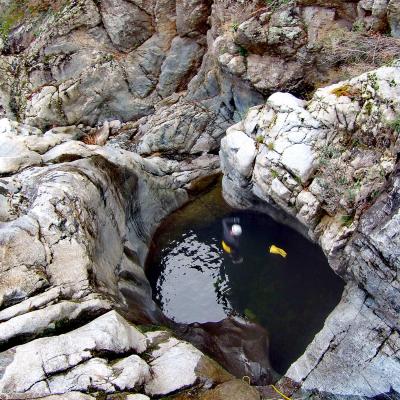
[194,280]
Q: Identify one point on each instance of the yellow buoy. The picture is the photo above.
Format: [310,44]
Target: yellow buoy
[276,250]
[226,248]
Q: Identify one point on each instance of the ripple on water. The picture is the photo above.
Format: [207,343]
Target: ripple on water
[193,280]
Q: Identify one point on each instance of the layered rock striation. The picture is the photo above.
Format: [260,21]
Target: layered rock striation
[122,105]
[332,164]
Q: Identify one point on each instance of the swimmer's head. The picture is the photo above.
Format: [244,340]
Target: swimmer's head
[236,230]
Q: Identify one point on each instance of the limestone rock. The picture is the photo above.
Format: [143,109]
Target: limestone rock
[127,24]
[394,18]
[234,390]
[305,166]
[33,363]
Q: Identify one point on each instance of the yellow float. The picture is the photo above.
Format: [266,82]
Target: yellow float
[277,250]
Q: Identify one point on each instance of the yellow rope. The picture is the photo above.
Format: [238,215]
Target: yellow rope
[280,393]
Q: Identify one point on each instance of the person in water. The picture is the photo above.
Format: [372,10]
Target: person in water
[231,238]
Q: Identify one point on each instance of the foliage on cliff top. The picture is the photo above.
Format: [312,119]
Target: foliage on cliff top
[358,52]
[19,10]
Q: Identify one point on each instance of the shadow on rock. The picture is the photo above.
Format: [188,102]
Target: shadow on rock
[240,346]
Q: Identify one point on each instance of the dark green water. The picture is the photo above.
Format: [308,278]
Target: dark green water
[193,280]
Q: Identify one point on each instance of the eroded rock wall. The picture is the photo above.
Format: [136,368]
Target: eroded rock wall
[332,164]
[183,69]
[76,222]
[158,82]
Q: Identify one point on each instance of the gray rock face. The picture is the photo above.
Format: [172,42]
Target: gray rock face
[319,162]
[92,62]
[73,241]
[78,361]
[78,204]
[127,25]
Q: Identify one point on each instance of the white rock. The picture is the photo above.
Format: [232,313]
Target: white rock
[299,159]
[36,322]
[36,361]
[280,190]
[244,151]
[284,102]
[237,65]
[15,156]
[173,367]
[225,58]
[72,148]
[251,120]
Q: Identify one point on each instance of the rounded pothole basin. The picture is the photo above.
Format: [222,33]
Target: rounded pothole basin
[195,280]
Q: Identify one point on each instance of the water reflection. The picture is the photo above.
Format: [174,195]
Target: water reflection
[195,280]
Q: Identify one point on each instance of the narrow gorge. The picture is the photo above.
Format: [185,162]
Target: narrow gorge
[119,117]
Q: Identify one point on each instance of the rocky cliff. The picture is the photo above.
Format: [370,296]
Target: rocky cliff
[332,164]
[121,107]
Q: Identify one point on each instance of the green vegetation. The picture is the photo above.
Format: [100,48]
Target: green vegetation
[235,26]
[243,51]
[250,315]
[19,10]
[344,90]
[395,125]
[347,220]
[274,174]
[358,26]
[271,146]
[373,80]
[260,139]
[275,4]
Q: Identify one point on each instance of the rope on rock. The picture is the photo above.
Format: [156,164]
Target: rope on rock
[280,393]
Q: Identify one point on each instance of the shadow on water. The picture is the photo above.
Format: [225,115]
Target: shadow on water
[194,280]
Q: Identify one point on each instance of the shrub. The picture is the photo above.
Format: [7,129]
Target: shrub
[355,52]
[395,125]
[243,51]
[18,10]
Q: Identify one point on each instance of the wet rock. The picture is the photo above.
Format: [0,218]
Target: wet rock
[234,390]
[305,165]
[231,337]
[176,365]
[177,68]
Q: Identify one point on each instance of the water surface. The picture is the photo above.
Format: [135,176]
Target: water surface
[194,280]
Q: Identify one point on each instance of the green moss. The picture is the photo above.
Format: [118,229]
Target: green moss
[243,51]
[373,80]
[235,26]
[151,328]
[395,125]
[274,174]
[250,315]
[344,90]
[346,220]
[260,139]
[368,107]
[275,4]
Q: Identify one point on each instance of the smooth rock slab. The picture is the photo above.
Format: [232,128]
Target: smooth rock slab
[243,149]
[299,160]
[32,364]
[232,390]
